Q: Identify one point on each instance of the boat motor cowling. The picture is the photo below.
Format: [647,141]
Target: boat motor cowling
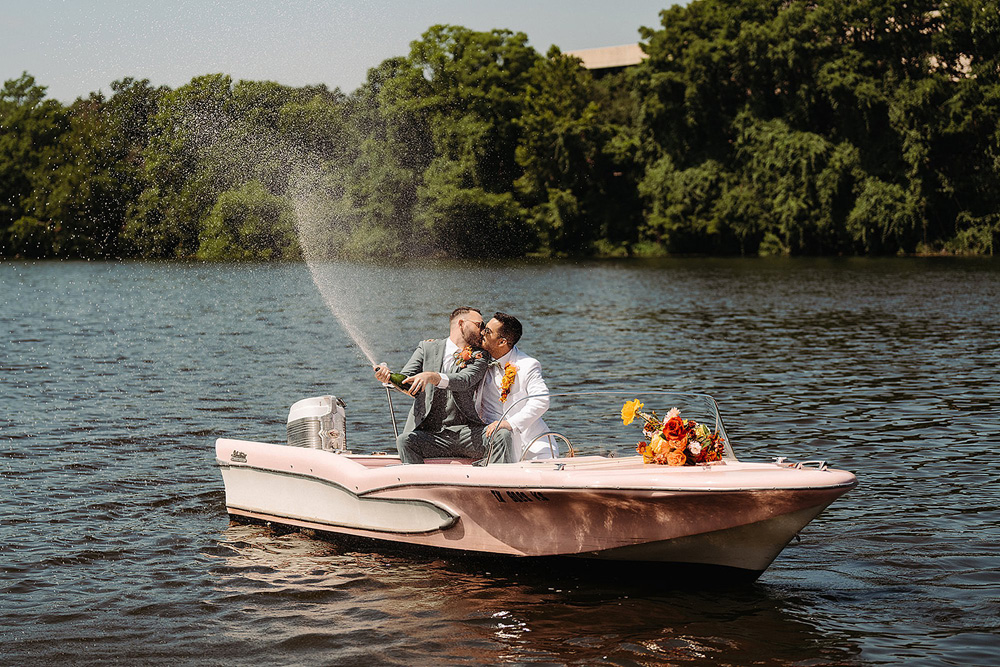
[319,423]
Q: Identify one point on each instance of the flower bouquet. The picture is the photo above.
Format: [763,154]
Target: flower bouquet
[674,441]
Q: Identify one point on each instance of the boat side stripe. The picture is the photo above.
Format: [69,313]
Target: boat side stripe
[315,523]
[402,501]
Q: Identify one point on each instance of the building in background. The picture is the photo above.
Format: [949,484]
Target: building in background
[609,59]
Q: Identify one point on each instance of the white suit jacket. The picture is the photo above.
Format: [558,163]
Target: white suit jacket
[525,416]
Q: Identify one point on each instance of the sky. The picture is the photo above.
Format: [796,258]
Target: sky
[75,47]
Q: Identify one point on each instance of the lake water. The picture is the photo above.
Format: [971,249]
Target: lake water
[115,546]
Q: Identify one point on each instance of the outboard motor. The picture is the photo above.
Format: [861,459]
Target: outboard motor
[320,423]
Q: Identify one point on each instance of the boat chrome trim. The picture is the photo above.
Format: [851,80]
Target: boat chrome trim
[493,485]
[540,487]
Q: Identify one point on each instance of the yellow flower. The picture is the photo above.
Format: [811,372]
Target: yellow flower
[629,410]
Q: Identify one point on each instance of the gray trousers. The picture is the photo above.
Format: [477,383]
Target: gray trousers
[456,441]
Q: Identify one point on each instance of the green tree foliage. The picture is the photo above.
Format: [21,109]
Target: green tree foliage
[70,173]
[471,87]
[821,127]
[217,149]
[31,129]
[570,167]
[180,167]
[764,127]
[357,197]
[248,223]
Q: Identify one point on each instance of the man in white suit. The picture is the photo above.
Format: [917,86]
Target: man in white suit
[523,378]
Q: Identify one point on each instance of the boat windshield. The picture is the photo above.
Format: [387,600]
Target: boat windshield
[592,420]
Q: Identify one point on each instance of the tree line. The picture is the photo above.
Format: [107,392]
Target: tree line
[755,128]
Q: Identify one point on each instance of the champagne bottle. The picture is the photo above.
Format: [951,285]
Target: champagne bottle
[397,379]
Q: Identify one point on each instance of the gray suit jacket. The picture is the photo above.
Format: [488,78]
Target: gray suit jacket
[462,384]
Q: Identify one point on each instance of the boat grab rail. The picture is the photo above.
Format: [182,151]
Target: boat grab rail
[552,447]
[784,462]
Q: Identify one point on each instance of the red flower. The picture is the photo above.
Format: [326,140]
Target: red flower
[674,429]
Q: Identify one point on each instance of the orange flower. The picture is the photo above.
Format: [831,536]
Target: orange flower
[647,453]
[676,458]
[509,372]
[679,444]
[629,410]
[465,355]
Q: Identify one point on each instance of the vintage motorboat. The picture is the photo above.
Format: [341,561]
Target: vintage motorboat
[726,513]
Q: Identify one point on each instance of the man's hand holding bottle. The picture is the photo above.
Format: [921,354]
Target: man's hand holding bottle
[416,383]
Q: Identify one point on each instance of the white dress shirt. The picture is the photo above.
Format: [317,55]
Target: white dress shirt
[446,361]
[492,407]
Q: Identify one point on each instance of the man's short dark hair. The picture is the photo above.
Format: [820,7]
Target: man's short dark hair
[510,327]
[462,310]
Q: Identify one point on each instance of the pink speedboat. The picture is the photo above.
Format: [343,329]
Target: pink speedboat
[723,512]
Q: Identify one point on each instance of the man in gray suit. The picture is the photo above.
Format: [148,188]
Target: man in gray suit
[444,422]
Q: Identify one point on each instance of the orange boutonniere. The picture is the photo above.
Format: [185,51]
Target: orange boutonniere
[509,371]
[465,355]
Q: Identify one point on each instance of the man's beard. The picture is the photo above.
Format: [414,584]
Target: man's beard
[474,339]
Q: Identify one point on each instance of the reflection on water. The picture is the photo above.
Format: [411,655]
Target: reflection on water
[410,605]
[117,378]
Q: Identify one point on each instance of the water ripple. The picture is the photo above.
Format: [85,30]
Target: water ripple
[116,547]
